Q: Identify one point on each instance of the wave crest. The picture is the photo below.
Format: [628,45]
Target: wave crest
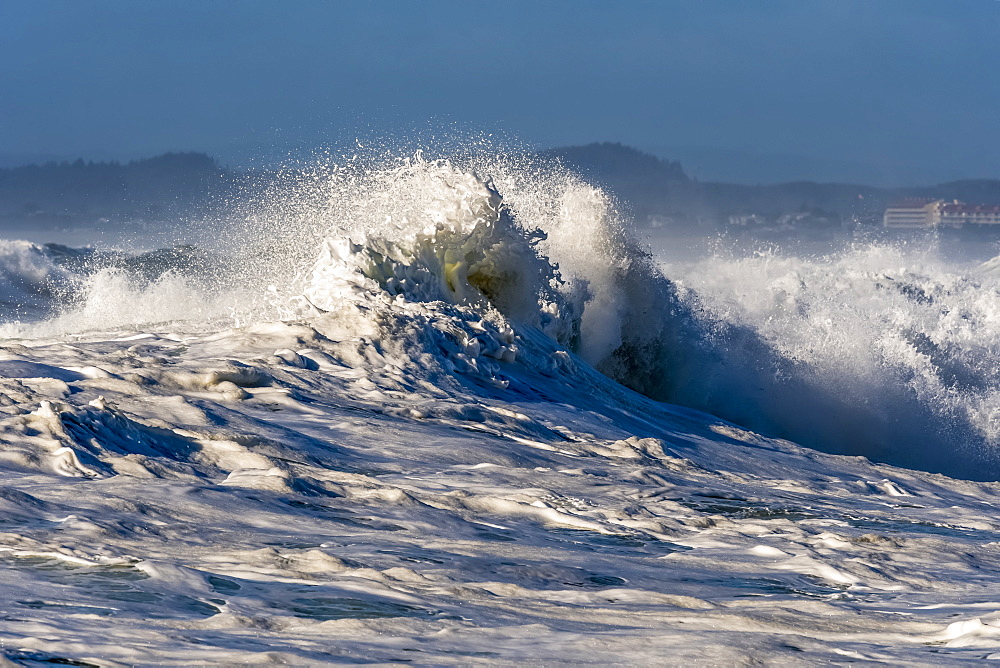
[459,245]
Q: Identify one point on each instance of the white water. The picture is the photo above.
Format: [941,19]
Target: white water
[904,343]
[366,425]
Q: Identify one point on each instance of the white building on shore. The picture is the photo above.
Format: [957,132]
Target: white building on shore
[910,213]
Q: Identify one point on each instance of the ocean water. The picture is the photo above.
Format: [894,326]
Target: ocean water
[450,410]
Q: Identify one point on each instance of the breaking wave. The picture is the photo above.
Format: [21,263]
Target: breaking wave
[52,290]
[902,344]
[29,279]
[468,264]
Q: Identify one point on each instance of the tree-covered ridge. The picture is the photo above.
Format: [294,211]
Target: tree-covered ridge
[140,188]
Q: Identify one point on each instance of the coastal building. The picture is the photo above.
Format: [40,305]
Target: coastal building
[957,213]
[910,213]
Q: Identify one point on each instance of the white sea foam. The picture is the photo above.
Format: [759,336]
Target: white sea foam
[365,426]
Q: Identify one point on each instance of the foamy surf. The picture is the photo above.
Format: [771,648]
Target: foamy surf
[376,430]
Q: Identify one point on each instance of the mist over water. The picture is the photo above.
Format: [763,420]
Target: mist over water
[876,350]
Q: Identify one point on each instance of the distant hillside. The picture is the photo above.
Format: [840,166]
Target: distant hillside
[659,193]
[85,191]
[622,161]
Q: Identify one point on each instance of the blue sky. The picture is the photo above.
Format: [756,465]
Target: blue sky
[907,89]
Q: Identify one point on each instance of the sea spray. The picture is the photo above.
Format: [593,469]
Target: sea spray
[30,280]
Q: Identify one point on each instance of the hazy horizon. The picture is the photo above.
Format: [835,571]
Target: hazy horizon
[702,163]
